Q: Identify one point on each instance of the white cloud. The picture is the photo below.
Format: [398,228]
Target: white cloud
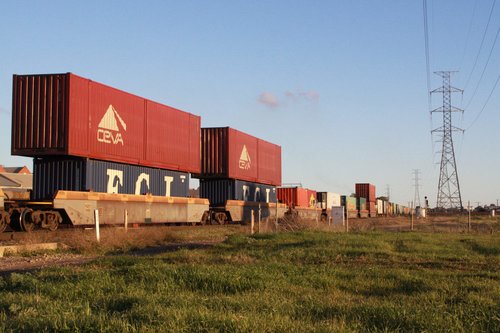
[289,97]
[311,96]
[268,99]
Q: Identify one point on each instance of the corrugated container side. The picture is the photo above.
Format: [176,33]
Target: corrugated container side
[269,167]
[218,191]
[214,152]
[171,132]
[39,109]
[64,114]
[295,196]
[77,174]
[366,190]
[51,175]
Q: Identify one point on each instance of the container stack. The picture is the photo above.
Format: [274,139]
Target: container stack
[238,166]
[86,136]
[367,191]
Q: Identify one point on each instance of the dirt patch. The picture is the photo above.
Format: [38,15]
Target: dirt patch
[16,264]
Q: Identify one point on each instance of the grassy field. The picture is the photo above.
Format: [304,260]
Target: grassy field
[284,282]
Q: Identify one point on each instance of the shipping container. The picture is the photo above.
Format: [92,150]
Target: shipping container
[218,191]
[380,207]
[348,202]
[80,174]
[229,153]
[327,200]
[366,190]
[64,114]
[372,208]
[361,203]
[297,197]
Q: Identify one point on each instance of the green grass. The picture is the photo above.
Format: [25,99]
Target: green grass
[287,282]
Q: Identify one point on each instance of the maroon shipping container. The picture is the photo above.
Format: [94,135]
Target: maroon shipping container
[297,197]
[367,191]
[64,114]
[229,153]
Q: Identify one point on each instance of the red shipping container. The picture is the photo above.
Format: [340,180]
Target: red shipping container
[64,114]
[297,197]
[367,191]
[229,153]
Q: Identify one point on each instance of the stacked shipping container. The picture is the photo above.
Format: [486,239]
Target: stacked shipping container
[235,164]
[229,153]
[88,136]
[367,191]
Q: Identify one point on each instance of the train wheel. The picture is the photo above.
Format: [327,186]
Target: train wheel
[205,218]
[15,222]
[52,221]
[26,220]
[4,220]
[220,218]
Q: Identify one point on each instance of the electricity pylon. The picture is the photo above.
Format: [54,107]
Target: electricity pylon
[448,195]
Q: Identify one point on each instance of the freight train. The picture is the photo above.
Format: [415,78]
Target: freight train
[97,149]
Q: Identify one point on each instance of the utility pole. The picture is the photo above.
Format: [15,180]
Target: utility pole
[388,192]
[416,197]
[448,195]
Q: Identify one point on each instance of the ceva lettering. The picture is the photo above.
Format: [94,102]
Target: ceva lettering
[107,136]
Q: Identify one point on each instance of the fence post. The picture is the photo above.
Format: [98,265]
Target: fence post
[252,221]
[411,213]
[258,221]
[125,218]
[468,219]
[96,219]
[347,220]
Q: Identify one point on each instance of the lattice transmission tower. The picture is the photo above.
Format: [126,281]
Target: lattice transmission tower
[448,195]
[416,197]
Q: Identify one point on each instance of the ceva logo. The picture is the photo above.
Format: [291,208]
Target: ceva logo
[245,160]
[108,131]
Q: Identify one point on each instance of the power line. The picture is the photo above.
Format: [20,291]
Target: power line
[468,34]
[427,61]
[485,103]
[484,69]
[480,46]
[428,69]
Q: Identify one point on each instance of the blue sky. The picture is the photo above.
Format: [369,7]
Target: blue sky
[340,85]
